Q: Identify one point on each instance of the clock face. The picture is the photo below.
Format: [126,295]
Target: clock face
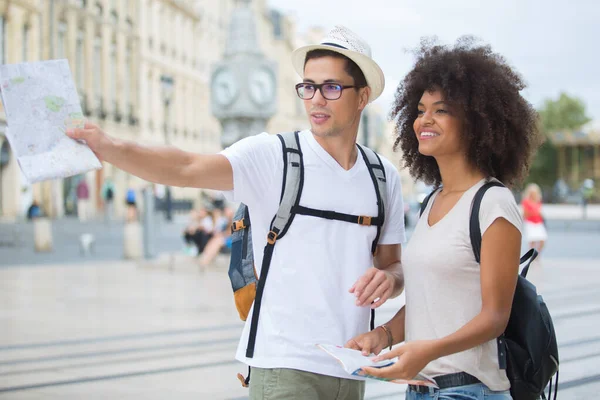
[224,86]
[262,85]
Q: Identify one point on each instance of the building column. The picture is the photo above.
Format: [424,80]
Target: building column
[14,30]
[88,51]
[136,77]
[106,44]
[596,163]
[574,165]
[36,41]
[71,45]
[122,73]
[561,162]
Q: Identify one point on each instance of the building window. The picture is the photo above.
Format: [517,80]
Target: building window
[61,38]
[98,70]
[126,79]
[2,40]
[276,21]
[26,31]
[79,58]
[113,76]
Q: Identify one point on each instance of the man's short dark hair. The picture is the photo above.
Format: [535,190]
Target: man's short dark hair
[351,67]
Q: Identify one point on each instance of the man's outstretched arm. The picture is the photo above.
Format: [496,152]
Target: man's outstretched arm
[159,164]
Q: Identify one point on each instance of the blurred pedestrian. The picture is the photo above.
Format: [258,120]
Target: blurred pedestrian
[108,195]
[34,211]
[535,227]
[587,193]
[221,237]
[83,200]
[130,201]
[198,232]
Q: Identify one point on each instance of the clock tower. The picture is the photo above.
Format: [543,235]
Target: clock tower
[244,83]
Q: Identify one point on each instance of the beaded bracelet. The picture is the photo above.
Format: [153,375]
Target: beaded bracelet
[388,332]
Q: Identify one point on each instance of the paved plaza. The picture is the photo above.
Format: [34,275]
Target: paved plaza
[109,329]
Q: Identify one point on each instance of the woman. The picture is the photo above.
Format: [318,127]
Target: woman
[460,122]
[535,230]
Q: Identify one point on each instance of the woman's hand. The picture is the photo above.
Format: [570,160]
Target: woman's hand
[370,342]
[413,357]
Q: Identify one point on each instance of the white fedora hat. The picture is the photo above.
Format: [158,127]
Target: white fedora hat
[342,40]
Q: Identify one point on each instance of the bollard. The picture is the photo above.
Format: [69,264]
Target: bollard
[148,223]
[132,240]
[42,234]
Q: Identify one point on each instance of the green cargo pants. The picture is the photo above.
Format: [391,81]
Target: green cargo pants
[283,384]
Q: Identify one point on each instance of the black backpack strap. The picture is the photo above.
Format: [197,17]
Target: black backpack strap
[426,201]
[355,219]
[475,234]
[474,227]
[293,178]
[377,173]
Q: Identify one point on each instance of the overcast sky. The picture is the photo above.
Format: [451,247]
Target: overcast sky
[554,44]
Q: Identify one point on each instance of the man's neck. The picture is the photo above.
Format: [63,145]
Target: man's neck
[341,147]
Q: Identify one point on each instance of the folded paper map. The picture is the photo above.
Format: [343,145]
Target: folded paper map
[352,361]
[41,103]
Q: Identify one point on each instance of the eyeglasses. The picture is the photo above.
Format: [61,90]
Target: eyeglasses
[329,91]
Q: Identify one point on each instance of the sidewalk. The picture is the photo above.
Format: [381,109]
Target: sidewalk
[570,212]
[131,330]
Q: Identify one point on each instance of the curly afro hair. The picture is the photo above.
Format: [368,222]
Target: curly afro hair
[500,126]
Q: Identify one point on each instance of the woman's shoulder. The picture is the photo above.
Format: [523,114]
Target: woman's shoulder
[499,195]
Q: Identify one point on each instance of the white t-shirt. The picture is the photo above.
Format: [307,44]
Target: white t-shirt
[443,288]
[306,299]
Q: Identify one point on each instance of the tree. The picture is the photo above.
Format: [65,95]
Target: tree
[565,113]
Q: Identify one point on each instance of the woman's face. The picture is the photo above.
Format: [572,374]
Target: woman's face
[534,196]
[438,126]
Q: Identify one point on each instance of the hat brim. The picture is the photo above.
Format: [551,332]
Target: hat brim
[372,71]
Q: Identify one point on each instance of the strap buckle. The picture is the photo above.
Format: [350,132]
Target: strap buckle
[271,237]
[363,220]
[238,225]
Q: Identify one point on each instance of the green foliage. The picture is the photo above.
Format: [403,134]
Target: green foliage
[565,113]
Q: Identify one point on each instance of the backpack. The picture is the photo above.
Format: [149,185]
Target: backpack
[527,349]
[247,288]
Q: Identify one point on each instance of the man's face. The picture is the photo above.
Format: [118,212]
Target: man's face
[333,117]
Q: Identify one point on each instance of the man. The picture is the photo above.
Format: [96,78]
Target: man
[321,285]
[108,193]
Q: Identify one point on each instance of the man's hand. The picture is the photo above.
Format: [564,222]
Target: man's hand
[412,358]
[370,342]
[98,141]
[375,284]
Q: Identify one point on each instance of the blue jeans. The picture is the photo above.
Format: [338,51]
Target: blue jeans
[477,391]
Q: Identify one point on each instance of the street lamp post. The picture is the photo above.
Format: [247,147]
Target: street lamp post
[167,84]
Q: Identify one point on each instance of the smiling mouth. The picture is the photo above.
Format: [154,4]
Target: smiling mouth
[428,135]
